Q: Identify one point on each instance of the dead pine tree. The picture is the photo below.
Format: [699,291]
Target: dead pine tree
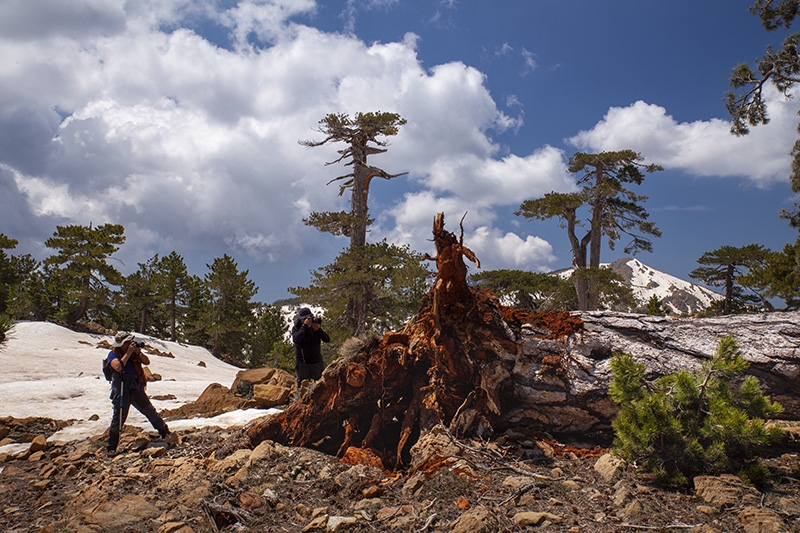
[448,365]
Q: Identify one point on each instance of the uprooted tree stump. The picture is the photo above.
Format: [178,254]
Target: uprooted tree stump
[449,365]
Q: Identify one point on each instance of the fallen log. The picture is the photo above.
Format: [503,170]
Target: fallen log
[450,364]
[479,368]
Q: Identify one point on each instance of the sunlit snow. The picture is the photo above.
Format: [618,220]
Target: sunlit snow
[50,371]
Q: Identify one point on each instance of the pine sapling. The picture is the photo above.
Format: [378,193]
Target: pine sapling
[686,424]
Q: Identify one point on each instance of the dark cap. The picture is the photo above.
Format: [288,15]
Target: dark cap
[304,313]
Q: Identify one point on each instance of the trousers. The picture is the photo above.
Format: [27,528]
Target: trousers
[121,402]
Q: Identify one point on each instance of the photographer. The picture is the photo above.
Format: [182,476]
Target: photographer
[307,336]
[127,388]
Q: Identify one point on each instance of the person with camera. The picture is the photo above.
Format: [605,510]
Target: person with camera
[128,388]
[307,336]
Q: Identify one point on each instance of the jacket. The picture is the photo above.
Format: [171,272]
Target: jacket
[307,343]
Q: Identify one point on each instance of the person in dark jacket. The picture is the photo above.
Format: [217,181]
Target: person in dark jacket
[128,388]
[307,336]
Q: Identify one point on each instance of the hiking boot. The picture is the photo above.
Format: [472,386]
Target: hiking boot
[111,453]
[171,439]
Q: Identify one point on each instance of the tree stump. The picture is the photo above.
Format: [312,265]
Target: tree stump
[449,365]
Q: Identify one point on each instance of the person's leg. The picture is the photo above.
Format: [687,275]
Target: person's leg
[301,369]
[142,403]
[120,405]
[315,370]
[113,429]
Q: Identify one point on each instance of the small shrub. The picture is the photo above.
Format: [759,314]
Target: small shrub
[686,424]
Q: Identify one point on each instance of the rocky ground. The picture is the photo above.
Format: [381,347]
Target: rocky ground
[211,482]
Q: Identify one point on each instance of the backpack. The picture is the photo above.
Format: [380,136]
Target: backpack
[108,372]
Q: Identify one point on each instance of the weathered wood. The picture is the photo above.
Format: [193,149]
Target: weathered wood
[445,361]
[479,368]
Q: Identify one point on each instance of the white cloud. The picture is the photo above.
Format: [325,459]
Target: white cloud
[193,146]
[703,148]
[496,249]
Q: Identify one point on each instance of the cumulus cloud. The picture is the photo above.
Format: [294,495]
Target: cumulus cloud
[703,148]
[496,249]
[125,113]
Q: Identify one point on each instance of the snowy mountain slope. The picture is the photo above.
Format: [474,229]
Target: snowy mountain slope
[677,295]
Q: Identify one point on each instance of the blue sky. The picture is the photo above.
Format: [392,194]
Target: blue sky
[180,120]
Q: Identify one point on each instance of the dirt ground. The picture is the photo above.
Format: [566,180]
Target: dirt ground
[514,483]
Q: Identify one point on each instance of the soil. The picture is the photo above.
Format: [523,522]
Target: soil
[490,483]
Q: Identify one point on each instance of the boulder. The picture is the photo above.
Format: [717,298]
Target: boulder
[246,380]
[215,400]
[267,396]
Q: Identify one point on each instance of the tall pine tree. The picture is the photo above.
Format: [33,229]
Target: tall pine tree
[613,211]
[229,313]
[82,266]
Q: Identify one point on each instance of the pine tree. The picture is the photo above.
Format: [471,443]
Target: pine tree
[527,290]
[655,307]
[777,277]
[613,210]
[390,279]
[140,296]
[266,337]
[686,424]
[82,266]
[173,287]
[746,103]
[363,135]
[230,311]
[8,274]
[726,267]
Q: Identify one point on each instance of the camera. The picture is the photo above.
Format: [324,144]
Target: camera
[139,344]
[317,320]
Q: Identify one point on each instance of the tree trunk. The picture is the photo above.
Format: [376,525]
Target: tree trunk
[443,367]
[480,368]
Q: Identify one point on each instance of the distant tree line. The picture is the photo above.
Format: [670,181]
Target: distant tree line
[78,284]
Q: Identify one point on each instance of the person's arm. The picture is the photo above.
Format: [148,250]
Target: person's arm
[118,364]
[300,334]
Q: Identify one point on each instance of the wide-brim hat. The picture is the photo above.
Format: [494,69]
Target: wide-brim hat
[304,312]
[121,338]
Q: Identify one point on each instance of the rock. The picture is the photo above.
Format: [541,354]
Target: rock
[215,400]
[117,515]
[634,511]
[267,396]
[480,519]
[413,484]
[723,491]
[790,506]
[516,482]
[759,520]
[317,523]
[38,444]
[341,523]
[246,380]
[608,466]
[575,398]
[249,501]
[358,474]
[432,445]
[530,518]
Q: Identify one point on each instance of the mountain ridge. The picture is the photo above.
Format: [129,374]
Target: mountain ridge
[678,296]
